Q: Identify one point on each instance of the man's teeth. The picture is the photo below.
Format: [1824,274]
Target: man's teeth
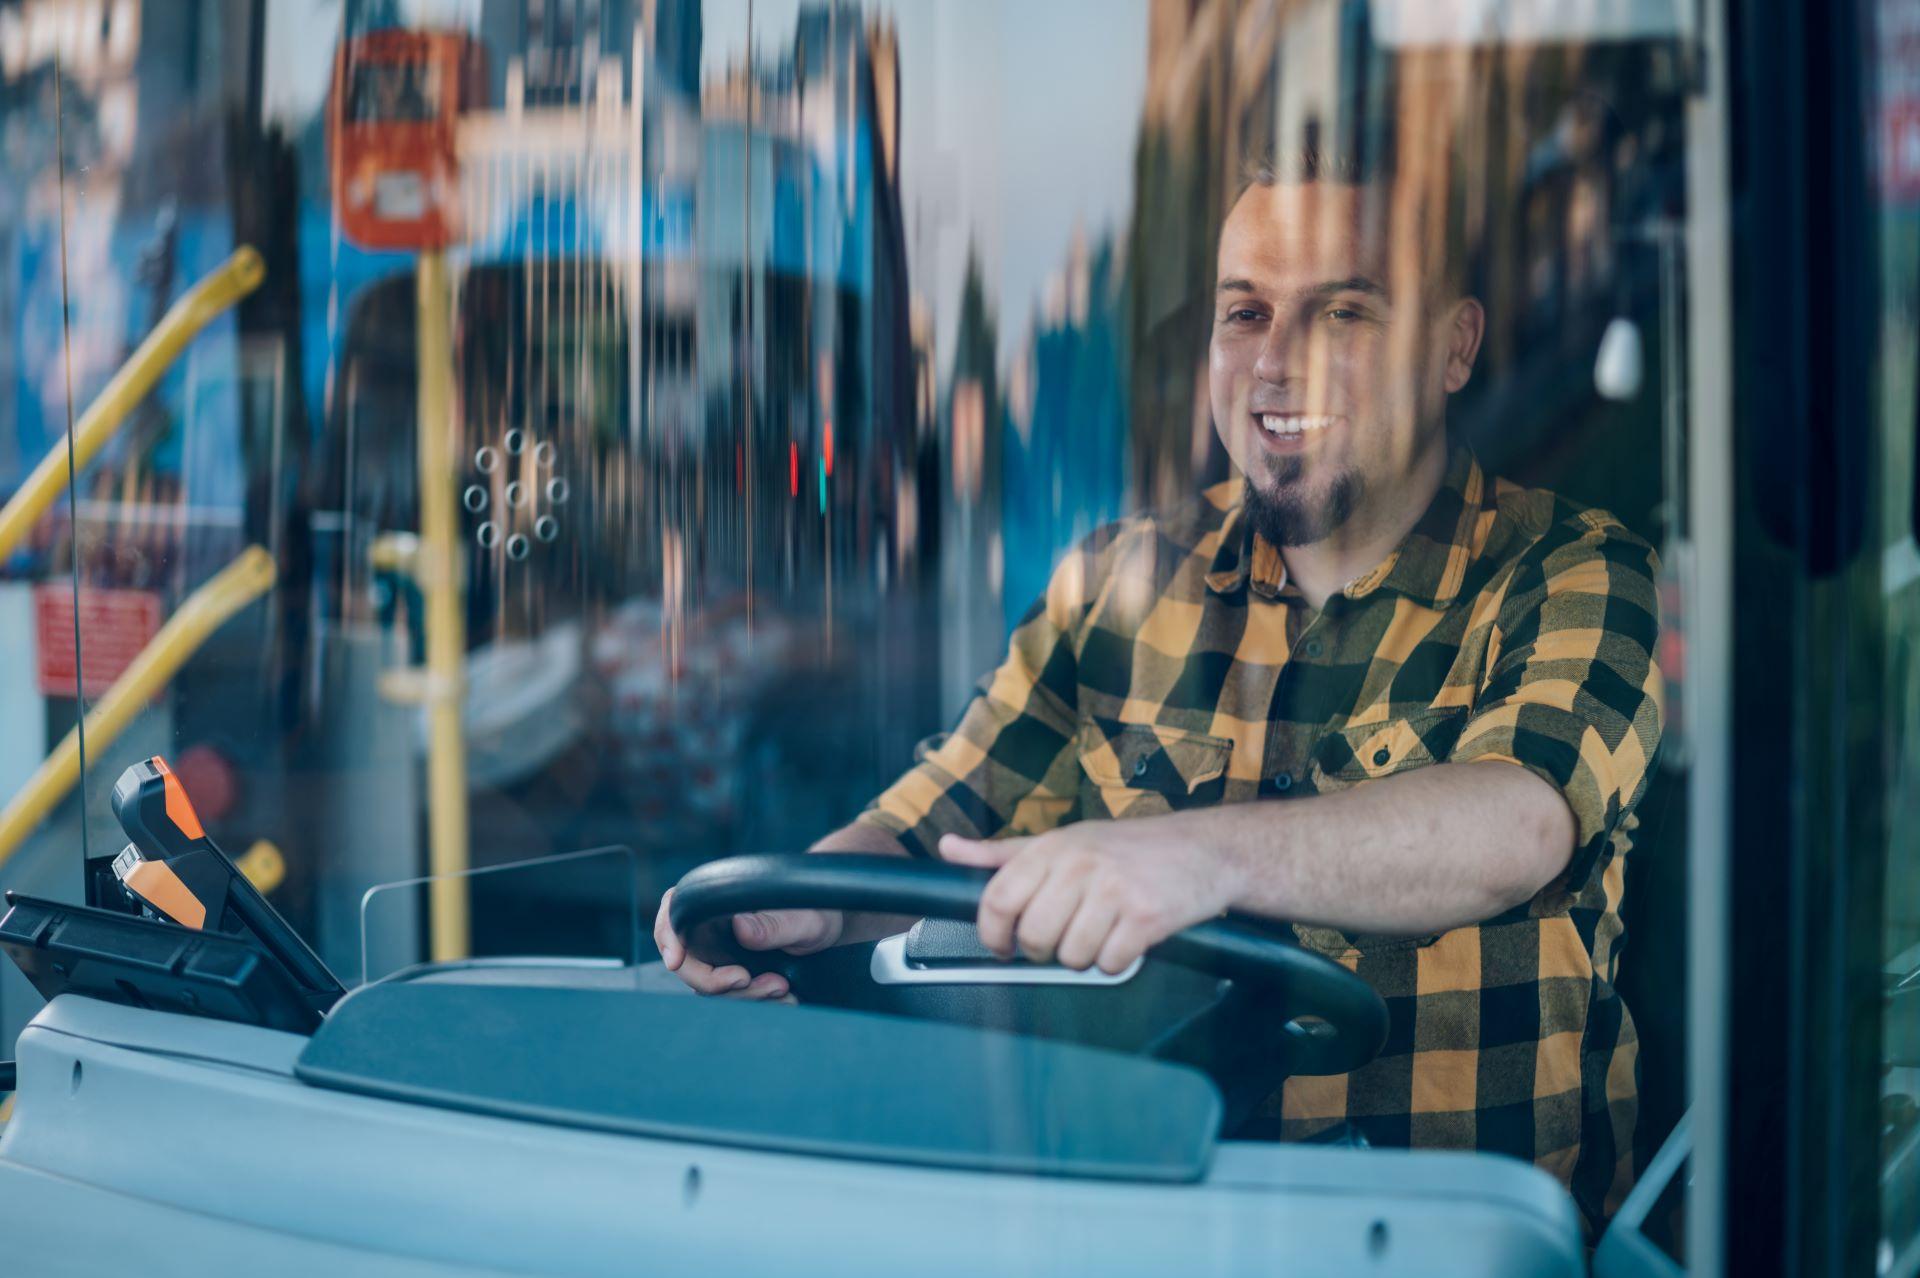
[1275,424]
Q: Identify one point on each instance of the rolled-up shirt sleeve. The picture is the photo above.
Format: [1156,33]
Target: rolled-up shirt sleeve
[1572,692]
[1009,765]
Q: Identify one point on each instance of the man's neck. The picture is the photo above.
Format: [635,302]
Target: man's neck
[1323,569]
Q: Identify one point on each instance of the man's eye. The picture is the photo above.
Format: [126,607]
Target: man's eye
[1245,315]
[1343,314]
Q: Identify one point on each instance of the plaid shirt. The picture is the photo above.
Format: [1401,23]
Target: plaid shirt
[1171,665]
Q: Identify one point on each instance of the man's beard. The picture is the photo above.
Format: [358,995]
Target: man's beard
[1287,515]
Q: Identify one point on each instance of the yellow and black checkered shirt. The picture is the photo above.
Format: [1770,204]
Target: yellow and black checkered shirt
[1171,666]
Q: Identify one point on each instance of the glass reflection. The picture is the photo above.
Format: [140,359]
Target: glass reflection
[791,346]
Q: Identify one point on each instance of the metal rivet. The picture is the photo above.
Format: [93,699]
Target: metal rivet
[557,490]
[1283,782]
[517,546]
[485,460]
[476,498]
[516,493]
[489,536]
[1140,766]
[546,528]
[1381,756]
[543,453]
[515,442]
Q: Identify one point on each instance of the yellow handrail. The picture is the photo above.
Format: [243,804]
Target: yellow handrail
[248,577]
[436,565]
[238,276]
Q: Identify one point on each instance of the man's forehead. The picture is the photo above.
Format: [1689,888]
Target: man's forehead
[1301,235]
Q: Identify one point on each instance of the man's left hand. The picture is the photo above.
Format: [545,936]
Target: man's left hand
[1094,892]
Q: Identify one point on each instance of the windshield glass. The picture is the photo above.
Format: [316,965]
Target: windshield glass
[1197,464]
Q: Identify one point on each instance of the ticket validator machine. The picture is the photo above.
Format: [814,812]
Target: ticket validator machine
[170,924]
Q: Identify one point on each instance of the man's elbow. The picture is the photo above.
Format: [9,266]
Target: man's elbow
[1541,832]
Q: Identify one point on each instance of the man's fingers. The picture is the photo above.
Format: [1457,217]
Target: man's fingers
[779,929]
[672,951]
[1086,934]
[718,980]
[760,930]
[1123,945]
[1045,918]
[766,987]
[990,853]
[1004,899]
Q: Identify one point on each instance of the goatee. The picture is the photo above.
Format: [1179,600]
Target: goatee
[1287,515]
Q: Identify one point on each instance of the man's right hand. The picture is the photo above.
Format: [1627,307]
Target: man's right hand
[795,931]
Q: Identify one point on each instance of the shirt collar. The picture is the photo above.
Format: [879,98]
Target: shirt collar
[1428,567]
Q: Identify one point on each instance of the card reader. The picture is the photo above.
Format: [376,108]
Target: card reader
[173,871]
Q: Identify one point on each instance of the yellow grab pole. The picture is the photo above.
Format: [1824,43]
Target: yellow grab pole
[263,865]
[237,277]
[248,577]
[437,570]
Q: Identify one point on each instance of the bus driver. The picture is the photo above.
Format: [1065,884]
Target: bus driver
[1363,686]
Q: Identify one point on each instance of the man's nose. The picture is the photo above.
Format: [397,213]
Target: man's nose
[1283,355]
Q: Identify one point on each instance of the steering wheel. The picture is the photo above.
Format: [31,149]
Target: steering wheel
[1337,1021]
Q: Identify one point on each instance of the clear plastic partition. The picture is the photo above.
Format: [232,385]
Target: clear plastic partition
[574,922]
[586,422]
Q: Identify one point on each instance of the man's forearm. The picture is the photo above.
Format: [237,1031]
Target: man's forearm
[1419,853]
[858,836]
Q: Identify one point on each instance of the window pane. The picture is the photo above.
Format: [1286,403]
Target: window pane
[1895,116]
[1203,430]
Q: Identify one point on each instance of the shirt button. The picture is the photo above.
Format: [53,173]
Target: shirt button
[1381,756]
[1283,783]
[1315,648]
[1140,766]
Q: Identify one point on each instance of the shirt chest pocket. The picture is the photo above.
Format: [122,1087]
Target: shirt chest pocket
[1367,752]
[1138,769]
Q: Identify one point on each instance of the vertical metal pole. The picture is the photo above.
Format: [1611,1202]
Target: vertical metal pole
[441,588]
[1708,689]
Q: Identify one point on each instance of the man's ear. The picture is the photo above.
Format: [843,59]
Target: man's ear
[1466,326]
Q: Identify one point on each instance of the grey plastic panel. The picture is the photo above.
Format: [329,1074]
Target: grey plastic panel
[770,1077]
[236,1160]
[111,1233]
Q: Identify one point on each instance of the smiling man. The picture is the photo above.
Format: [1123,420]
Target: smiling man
[1362,687]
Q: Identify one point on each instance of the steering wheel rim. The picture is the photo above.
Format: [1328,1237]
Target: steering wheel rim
[1351,1014]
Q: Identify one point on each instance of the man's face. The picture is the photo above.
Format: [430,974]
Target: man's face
[1328,385]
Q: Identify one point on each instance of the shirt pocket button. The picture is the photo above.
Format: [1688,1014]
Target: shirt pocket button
[1381,756]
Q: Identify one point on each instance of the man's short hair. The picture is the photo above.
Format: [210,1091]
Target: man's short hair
[1271,167]
[1302,164]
